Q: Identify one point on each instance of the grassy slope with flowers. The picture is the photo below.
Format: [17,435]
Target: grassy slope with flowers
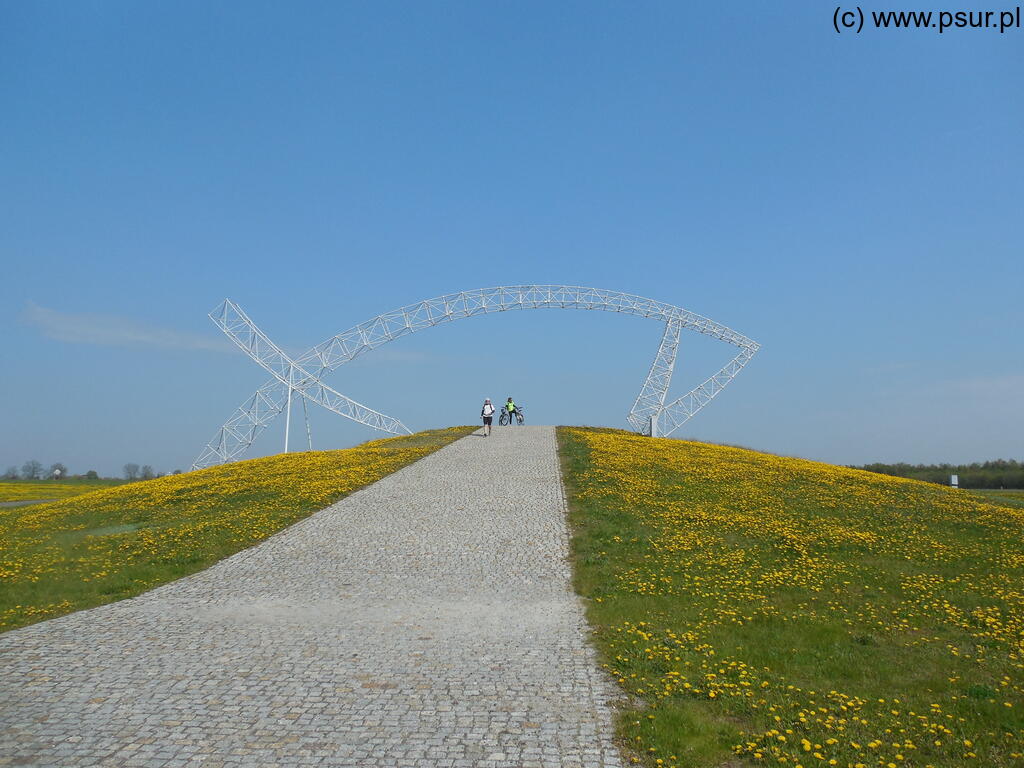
[115,543]
[762,610]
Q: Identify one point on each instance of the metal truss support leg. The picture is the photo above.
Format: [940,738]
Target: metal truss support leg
[305,415]
[288,416]
[682,409]
[650,402]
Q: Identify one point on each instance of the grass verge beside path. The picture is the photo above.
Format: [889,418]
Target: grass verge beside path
[115,543]
[29,490]
[770,611]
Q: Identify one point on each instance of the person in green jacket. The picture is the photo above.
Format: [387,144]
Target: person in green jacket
[511,408]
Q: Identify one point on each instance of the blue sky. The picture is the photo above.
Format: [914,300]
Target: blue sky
[853,202]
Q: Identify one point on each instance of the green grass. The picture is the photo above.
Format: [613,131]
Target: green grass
[1010,497]
[115,543]
[30,490]
[747,602]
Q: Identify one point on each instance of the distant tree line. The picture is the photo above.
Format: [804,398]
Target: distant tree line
[34,470]
[1001,473]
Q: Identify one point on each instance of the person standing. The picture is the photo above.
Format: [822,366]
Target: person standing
[487,413]
[511,408]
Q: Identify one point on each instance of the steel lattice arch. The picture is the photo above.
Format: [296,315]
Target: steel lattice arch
[303,376]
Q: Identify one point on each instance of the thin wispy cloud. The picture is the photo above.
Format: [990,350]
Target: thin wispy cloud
[112,331]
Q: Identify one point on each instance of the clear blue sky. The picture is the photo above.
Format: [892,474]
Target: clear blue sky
[853,202]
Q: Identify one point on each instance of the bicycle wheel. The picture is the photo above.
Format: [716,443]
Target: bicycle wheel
[503,419]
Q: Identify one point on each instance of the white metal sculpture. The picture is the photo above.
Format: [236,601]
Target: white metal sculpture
[645,413]
[302,376]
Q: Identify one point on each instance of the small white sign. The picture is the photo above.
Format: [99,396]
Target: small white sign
[954,480]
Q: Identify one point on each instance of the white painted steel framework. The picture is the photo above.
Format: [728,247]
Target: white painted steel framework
[303,375]
[645,413]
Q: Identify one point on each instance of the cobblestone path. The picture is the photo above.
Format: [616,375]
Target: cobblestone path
[426,620]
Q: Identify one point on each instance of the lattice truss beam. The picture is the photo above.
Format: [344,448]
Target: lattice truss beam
[302,376]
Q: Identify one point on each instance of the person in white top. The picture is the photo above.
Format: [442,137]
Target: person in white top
[487,412]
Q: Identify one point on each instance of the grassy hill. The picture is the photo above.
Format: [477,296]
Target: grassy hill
[110,544]
[772,611]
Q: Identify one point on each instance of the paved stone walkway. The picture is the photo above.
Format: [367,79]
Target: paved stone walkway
[424,621]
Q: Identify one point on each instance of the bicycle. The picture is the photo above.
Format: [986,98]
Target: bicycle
[505,418]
